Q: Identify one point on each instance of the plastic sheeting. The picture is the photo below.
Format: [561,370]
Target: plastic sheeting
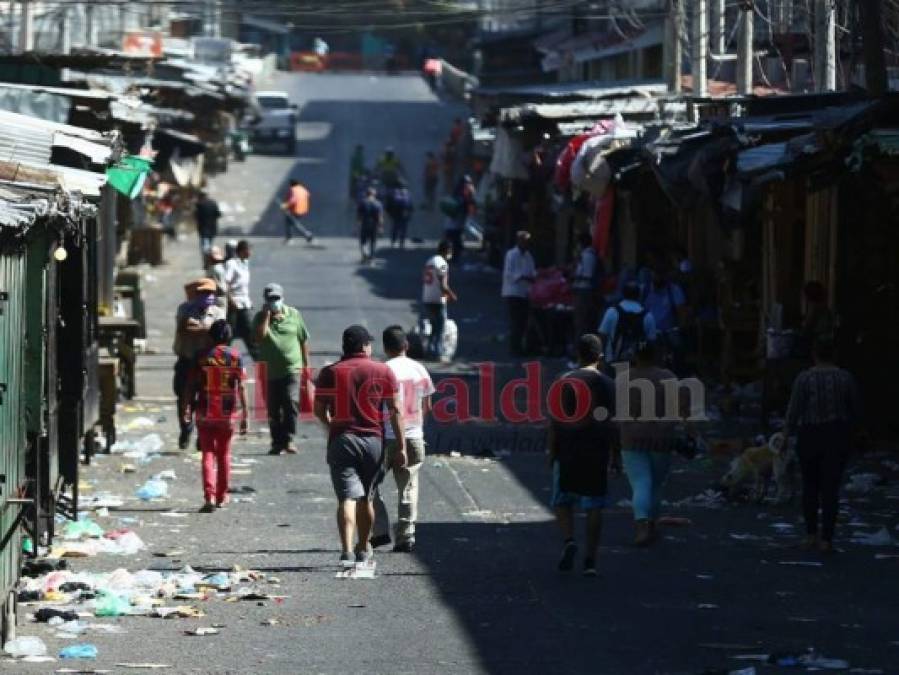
[508,156]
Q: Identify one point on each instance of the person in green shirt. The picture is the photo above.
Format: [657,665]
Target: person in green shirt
[283,344]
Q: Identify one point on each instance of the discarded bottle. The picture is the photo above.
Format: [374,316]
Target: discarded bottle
[25,646]
[81,651]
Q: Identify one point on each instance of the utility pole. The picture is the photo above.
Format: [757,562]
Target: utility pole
[672,47]
[90,25]
[65,31]
[876,81]
[745,55]
[700,40]
[825,45]
[26,28]
[719,27]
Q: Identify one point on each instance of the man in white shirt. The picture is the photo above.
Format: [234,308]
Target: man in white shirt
[518,275]
[415,388]
[435,291]
[237,287]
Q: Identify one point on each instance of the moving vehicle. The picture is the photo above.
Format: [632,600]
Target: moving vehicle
[277,122]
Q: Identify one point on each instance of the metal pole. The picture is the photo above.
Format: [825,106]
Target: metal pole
[825,46]
[65,31]
[719,27]
[26,28]
[672,47]
[744,48]
[698,61]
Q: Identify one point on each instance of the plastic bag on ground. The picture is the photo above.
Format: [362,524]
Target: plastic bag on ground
[25,646]
[127,543]
[153,489]
[109,604]
[880,538]
[76,529]
[80,651]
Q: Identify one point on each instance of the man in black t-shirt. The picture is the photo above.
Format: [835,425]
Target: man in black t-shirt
[580,435]
[370,219]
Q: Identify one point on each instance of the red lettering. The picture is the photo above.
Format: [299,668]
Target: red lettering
[531,383]
[486,388]
[455,408]
[582,400]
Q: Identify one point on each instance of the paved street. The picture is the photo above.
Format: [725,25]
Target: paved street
[481,593]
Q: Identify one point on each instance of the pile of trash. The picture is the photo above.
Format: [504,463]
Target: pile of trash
[64,596]
[85,538]
[144,450]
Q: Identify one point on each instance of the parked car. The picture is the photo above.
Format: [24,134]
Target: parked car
[277,121]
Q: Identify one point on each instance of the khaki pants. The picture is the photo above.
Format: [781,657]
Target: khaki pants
[407,487]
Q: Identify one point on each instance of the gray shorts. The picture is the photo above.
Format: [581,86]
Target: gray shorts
[356,464]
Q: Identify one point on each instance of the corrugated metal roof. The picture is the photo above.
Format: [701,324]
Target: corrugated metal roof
[23,213]
[31,141]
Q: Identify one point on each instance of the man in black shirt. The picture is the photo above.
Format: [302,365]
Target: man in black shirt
[580,435]
[207,215]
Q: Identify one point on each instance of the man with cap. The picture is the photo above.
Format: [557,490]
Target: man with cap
[215,270]
[349,398]
[282,342]
[192,321]
[518,275]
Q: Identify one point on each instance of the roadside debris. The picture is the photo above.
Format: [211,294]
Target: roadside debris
[80,651]
[27,645]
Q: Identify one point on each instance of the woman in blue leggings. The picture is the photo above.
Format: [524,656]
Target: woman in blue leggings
[647,441]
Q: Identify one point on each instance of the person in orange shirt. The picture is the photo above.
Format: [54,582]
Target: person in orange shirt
[296,207]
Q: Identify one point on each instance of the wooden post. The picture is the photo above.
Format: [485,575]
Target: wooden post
[872,44]
[672,47]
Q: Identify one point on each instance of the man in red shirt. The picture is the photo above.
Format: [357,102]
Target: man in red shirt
[349,398]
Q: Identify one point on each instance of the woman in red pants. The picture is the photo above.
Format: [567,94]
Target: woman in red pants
[214,390]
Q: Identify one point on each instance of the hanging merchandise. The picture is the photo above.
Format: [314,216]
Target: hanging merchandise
[129,175]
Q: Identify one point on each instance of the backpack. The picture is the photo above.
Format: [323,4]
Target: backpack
[629,333]
[450,207]
[400,203]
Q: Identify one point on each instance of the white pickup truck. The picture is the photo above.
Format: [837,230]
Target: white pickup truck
[277,122]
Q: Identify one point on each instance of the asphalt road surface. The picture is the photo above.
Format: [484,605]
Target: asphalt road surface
[481,593]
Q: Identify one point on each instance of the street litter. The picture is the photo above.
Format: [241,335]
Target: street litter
[168,474]
[25,646]
[802,563]
[360,571]
[811,660]
[740,536]
[706,606]
[139,424]
[143,666]
[674,521]
[153,489]
[184,612]
[79,651]
[863,482]
[202,631]
[709,499]
[880,538]
[744,671]
[45,614]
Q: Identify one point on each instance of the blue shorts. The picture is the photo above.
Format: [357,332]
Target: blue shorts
[570,499]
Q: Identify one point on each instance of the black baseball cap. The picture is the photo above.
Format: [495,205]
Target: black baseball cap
[355,338]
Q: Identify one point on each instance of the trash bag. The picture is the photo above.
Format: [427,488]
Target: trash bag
[27,645]
[80,651]
[153,489]
[76,529]
[110,604]
[44,614]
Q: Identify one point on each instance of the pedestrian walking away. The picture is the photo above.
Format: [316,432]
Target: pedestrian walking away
[283,345]
[415,389]
[435,292]
[586,284]
[193,319]
[431,178]
[399,208]
[240,306]
[389,170]
[370,221]
[518,275]
[626,325]
[465,208]
[206,214]
[215,270]
[215,392]
[296,208]
[648,441]
[666,302]
[579,450]
[824,411]
[349,398]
